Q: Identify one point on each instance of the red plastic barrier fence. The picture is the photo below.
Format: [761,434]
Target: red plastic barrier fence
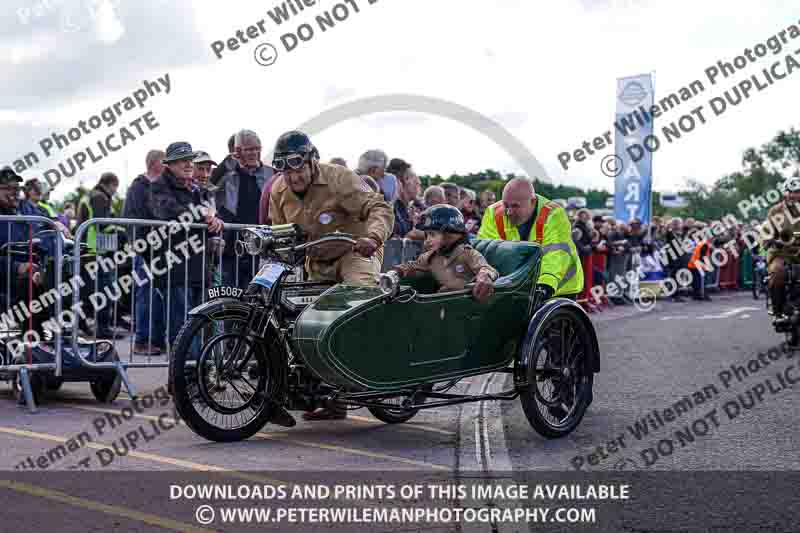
[585,298]
[599,263]
[729,274]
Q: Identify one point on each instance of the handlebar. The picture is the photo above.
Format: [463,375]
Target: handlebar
[331,237]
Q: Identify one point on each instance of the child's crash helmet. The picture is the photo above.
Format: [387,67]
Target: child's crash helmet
[442,217]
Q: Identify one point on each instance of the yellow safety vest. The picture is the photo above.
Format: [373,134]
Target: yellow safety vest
[560,266]
[47,207]
[91,234]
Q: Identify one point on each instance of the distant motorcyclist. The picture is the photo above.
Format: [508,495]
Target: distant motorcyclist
[779,253]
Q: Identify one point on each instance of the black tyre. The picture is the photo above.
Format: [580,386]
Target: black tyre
[399,415]
[53,384]
[107,388]
[200,387]
[560,387]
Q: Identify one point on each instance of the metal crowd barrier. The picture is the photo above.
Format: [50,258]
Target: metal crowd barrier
[397,251]
[107,250]
[105,281]
[15,336]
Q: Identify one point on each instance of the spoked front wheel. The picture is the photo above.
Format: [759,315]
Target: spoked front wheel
[223,380]
[559,384]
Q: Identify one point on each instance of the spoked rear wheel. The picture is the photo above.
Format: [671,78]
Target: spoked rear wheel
[399,415]
[560,387]
[224,390]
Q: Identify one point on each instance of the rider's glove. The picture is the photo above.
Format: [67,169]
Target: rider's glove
[545,290]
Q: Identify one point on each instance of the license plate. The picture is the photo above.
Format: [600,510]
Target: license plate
[302,300]
[268,275]
[224,292]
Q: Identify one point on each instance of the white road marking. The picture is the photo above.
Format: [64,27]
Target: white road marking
[727,314]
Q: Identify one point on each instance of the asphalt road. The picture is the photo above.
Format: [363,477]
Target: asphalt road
[650,361]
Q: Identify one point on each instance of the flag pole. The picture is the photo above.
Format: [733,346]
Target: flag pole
[652,177]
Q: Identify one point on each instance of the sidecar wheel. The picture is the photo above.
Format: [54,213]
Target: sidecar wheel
[560,388]
[197,386]
[396,416]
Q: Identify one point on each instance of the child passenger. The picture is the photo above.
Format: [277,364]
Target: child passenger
[448,256]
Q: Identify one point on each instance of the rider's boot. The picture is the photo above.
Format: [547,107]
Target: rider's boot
[281,417]
[778,298]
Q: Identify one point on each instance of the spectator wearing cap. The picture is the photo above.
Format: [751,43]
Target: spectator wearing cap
[24,272]
[200,176]
[339,161]
[238,201]
[373,164]
[172,195]
[148,306]
[452,193]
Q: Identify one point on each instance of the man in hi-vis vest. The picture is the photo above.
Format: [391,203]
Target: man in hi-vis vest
[523,215]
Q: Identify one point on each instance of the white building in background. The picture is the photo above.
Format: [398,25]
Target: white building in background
[669,199]
[576,202]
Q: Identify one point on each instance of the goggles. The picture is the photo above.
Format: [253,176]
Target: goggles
[294,161]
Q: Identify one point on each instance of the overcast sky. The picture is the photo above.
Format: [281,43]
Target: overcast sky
[545,71]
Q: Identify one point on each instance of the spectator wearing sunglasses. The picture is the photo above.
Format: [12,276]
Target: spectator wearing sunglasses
[237,201]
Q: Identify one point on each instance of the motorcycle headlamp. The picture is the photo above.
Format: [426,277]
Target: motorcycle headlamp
[252,242]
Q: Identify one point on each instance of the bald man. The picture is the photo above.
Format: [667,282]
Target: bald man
[523,215]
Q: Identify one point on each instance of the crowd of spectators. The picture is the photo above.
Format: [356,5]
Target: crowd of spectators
[236,191]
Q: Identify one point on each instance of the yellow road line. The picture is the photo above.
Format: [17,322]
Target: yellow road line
[191,465]
[147,417]
[364,419]
[114,510]
[283,437]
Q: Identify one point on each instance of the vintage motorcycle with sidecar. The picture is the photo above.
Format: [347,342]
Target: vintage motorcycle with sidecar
[394,348]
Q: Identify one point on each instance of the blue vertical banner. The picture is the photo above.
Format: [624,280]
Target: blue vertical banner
[633,126]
